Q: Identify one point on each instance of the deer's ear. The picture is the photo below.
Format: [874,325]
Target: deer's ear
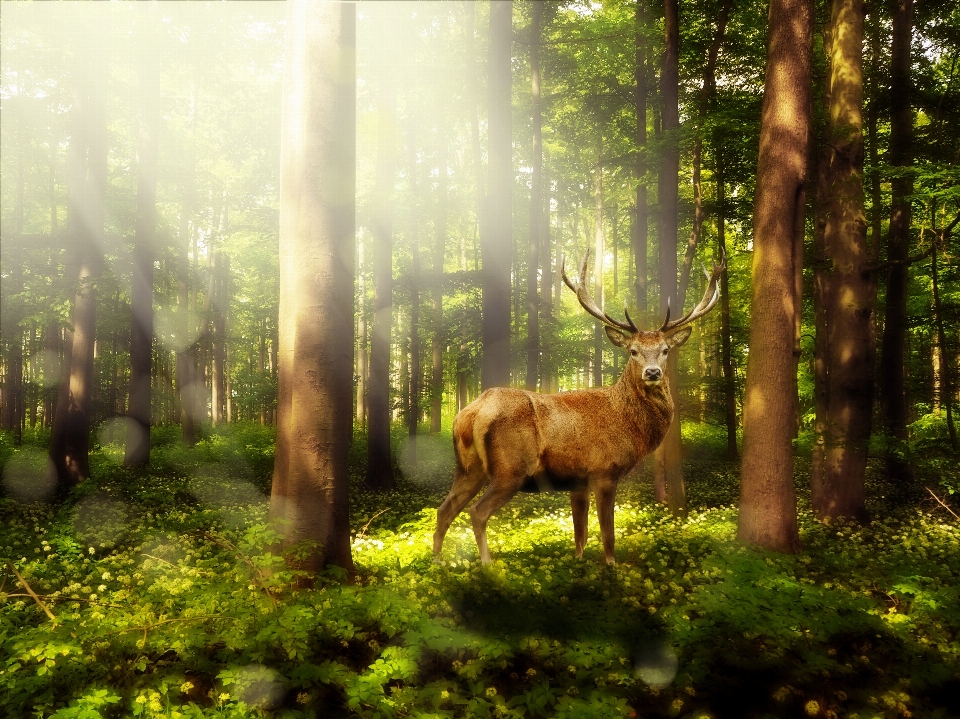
[679,337]
[617,337]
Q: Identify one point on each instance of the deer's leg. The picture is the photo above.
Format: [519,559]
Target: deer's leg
[497,495]
[606,494]
[465,488]
[580,503]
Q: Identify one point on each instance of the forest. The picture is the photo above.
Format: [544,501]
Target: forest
[676,286]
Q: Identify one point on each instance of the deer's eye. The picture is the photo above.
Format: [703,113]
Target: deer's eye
[666,351]
[633,352]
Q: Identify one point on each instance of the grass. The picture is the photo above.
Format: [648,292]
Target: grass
[168,602]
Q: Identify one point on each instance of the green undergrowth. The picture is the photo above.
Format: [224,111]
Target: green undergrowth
[168,603]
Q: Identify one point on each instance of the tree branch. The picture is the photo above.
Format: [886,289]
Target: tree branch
[33,594]
[897,263]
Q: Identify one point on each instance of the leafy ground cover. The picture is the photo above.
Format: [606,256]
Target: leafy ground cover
[157,596]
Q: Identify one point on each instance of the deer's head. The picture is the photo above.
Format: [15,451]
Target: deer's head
[648,350]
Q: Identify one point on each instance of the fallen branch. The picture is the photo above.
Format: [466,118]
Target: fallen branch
[363,530]
[33,594]
[942,503]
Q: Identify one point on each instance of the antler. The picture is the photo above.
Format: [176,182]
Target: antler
[588,304]
[710,297]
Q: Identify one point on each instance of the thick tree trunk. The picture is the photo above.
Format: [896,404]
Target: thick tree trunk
[69,443]
[496,231]
[845,292]
[768,505]
[668,472]
[892,372]
[309,500]
[536,207]
[379,475]
[144,250]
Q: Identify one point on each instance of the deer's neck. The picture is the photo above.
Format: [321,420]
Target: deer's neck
[649,408]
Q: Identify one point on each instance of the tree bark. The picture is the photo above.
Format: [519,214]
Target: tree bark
[309,500]
[892,352]
[379,476]
[416,376]
[137,452]
[69,443]
[845,293]
[668,472]
[496,230]
[536,206]
[768,505]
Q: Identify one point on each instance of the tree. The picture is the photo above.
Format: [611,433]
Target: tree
[893,401]
[496,225]
[144,251]
[768,509]
[844,291]
[668,473]
[639,235]
[379,476]
[69,442]
[309,499]
[536,205]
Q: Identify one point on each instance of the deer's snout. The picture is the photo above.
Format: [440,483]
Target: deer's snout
[652,374]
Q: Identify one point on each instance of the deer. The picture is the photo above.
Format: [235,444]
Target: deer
[584,441]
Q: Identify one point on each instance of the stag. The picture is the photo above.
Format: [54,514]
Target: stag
[583,442]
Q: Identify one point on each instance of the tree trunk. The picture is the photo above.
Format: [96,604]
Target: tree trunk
[144,251]
[379,476]
[598,250]
[668,472]
[436,383]
[309,500]
[536,207]
[729,379]
[496,228]
[946,380]
[892,372]
[768,504]
[361,412]
[846,294]
[69,443]
[640,218]
[413,413]
[186,361]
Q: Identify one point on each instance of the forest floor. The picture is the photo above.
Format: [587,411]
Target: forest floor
[157,597]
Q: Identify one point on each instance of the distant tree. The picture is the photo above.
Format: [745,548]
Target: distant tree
[318,177]
[893,401]
[496,225]
[639,233]
[536,205]
[768,504]
[145,247]
[69,442]
[379,475]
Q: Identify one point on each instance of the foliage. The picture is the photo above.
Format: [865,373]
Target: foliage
[169,602]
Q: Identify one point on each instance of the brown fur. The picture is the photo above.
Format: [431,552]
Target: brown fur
[583,442]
